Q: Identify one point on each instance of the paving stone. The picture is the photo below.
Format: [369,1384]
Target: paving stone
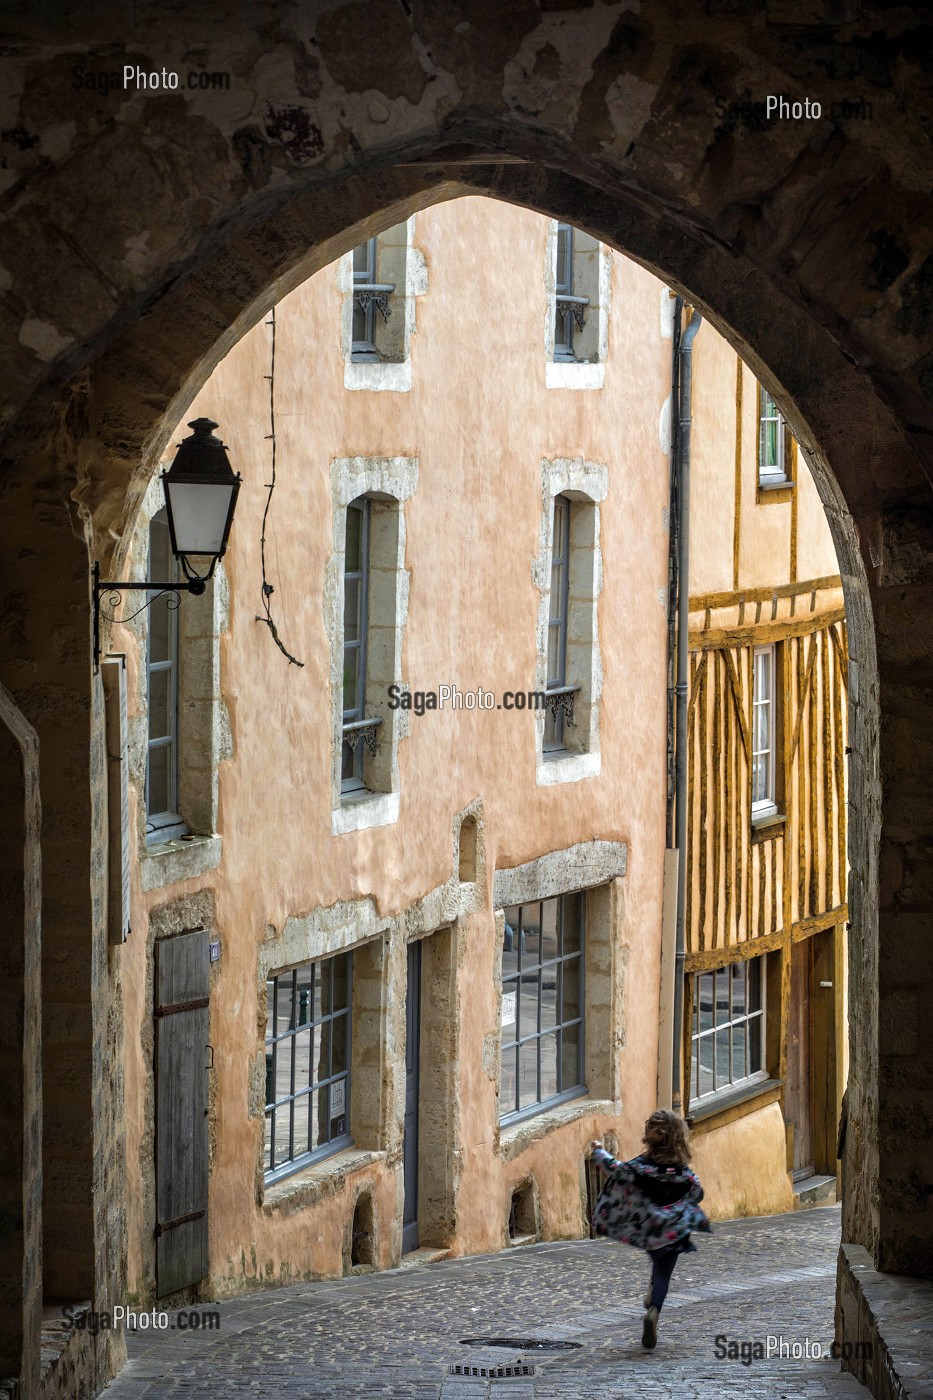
[395,1334]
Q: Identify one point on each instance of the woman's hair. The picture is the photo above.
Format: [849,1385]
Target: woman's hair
[666,1138]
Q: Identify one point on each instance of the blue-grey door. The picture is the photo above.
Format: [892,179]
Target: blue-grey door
[412,1061]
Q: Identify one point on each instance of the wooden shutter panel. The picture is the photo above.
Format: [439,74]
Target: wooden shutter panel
[181,1055]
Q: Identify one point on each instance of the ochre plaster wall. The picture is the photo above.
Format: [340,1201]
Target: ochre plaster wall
[737,1166]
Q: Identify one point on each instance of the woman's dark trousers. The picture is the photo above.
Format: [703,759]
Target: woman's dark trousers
[662,1266]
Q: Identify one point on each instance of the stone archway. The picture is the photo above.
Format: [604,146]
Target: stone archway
[636,127]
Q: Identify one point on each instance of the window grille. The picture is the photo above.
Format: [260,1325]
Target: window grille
[307,1064]
[541,1022]
[728,1028]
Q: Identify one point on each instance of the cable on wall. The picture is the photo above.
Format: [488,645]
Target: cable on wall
[267,588]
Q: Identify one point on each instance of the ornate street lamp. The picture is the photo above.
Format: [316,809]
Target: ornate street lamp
[200,497]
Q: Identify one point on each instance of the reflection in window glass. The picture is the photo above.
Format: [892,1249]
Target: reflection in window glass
[307,1063]
[728,1027]
[541,1021]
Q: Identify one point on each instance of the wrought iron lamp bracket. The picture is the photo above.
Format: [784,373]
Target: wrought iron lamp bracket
[107,596]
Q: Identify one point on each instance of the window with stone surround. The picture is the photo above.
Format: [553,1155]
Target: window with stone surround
[178,727]
[568,572]
[542,1006]
[379,281]
[307,1112]
[366,603]
[578,275]
[560,982]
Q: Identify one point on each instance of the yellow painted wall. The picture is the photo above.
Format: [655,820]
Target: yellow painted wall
[741,1166]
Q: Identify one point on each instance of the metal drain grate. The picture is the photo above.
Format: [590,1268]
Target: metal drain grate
[518,1368]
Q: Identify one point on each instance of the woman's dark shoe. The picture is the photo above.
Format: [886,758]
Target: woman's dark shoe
[649,1332]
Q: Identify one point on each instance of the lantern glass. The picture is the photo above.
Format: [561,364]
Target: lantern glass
[200,514]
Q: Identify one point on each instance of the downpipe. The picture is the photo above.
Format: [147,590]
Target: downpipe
[684,386]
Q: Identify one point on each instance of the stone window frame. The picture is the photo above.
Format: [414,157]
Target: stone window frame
[574,1091]
[585,484]
[400,263]
[348,927]
[592,277]
[597,868]
[296,1163]
[388,482]
[204,735]
[379,946]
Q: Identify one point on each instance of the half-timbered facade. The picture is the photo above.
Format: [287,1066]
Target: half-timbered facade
[764,998]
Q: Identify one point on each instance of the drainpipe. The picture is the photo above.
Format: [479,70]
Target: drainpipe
[683,421]
[669,895]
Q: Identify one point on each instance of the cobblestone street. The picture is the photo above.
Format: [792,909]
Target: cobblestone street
[397,1333]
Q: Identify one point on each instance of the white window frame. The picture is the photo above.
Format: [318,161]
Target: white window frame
[764,806]
[770,473]
[759,1016]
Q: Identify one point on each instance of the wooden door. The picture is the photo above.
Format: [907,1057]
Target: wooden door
[412,1089]
[181,1065]
[798,1100]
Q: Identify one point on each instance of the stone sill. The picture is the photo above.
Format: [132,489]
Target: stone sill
[559,766]
[518,1137]
[574,374]
[378,376]
[322,1179]
[181,859]
[363,811]
[716,1114]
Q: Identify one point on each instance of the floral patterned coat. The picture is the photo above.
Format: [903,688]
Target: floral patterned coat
[648,1204]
